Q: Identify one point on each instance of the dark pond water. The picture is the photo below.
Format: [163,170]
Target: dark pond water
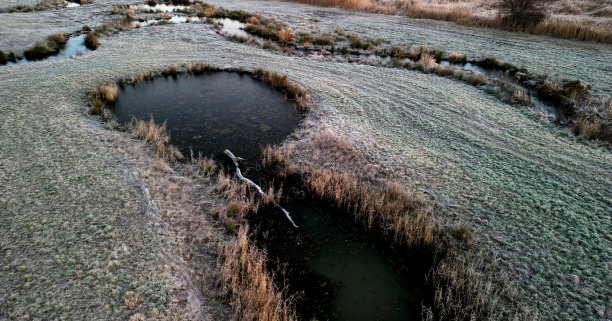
[74,46]
[344,273]
[212,112]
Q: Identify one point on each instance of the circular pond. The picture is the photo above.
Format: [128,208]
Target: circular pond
[212,112]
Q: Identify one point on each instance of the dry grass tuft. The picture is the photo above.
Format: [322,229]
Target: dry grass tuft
[457,58]
[129,14]
[58,39]
[164,16]
[91,41]
[157,136]
[253,293]
[130,299]
[254,21]
[108,92]
[285,36]
[427,61]
[205,165]
[209,12]
[137,317]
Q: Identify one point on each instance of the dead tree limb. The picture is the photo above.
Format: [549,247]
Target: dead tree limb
[255,186]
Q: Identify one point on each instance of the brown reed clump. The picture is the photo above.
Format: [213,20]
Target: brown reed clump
[285,36]
[252,291]
[108,92]
[157,136]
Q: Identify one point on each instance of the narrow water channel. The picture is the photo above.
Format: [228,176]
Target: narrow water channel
[343,271]
[74,46]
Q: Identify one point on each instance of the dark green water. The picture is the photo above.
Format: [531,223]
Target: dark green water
[344,273]
[212,112]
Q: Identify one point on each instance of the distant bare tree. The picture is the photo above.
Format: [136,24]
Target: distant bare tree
[524,12]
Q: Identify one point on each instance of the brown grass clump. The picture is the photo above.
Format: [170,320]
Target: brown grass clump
[278,158]
[302,103]
[253,20]
[386,206]
[457,57]
[129,14]
[137,317]
[253,293]
[164,15]
[91,41]
[209,12]
[200,68]
[205,165]
[108,92]
[58,39]
[157,136]
[285,36]
[130,299]
[427,61]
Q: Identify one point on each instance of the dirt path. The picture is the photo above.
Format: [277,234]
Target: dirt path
[530,191]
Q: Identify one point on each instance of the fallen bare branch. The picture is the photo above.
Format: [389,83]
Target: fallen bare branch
[255,186]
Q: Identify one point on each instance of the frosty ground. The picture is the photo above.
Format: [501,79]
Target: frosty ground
[537,196]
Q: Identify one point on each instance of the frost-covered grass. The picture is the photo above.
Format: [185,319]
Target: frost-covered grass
[530,192]
[74,237]
[541,55]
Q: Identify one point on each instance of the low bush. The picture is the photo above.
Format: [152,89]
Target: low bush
[38,52]
[285,36]
[265,32]
[356,43]
[57,41]
[91,41]
[457,58]
[157,136]
[323,41]
[4,58]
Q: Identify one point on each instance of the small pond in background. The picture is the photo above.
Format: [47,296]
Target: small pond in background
[74,46]
[211,112]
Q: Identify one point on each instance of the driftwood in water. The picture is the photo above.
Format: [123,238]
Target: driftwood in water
[255,186]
